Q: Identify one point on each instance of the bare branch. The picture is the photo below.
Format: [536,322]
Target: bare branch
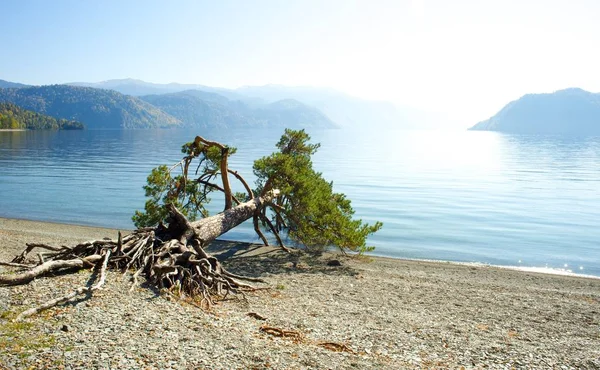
[45,268]
[275,232]
[75,293]
[257,228]
[243,181]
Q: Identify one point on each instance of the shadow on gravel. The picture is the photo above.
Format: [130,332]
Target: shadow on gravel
[92,279]
[255,260]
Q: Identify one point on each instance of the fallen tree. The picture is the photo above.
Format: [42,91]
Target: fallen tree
[169,247]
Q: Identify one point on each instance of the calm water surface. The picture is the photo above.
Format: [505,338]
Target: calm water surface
[528,201]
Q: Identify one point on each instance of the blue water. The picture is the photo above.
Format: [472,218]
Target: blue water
[528,201]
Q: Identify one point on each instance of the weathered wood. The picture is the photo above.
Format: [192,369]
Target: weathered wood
[31,246]
[53,302]
[223,165]
[44,268]
[208,229]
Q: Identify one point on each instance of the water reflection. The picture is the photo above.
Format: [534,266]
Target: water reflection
[462,196]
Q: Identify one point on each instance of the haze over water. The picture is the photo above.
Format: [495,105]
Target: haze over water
[528,201]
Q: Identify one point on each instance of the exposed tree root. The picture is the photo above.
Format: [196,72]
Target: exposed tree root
[170,258]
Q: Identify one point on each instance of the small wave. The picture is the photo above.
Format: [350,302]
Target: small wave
[549,270]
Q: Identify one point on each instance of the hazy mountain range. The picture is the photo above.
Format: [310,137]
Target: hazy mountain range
[129,103]
[126,104]
[109,109]
[571,111]
[343,110]
[195,108]
[130,86]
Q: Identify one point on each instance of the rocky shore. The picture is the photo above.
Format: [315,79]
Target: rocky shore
[374,313]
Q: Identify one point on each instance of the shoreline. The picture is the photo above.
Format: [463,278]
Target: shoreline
[60,224]
[528,269]
[383,313]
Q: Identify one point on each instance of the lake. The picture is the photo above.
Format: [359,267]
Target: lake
[466,196]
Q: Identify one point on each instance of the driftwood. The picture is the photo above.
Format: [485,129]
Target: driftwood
[45,268]
[172,258]
[78,291]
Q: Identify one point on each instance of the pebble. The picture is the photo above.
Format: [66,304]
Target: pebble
[440,316]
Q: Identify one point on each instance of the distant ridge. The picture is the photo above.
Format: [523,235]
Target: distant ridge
[135,87]
[318,107]
[570,111]
[197,108]
[7,84]
[344,110]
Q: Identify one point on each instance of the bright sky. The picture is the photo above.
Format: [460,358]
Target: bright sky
[467,58]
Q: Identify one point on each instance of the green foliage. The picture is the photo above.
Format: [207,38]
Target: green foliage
[159,183]
[190,196]
[308,208]
[163,189]
[14,117]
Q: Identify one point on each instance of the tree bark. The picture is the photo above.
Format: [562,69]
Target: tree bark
[224,168]
[210,228]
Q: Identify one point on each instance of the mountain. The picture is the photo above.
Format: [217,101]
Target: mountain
[14,117]
[571,111]
[9,85]
[196,112]
[96,108]
[133,87]
[205,109]
[293,114]
[344,110]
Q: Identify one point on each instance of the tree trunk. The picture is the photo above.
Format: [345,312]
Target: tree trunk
[210,228]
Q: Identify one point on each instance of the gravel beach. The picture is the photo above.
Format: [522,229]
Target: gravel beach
[370,312]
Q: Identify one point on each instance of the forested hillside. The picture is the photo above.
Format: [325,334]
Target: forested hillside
[14,117]
[96,108]
[8,84]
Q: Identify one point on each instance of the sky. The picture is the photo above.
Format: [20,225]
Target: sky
[463,58]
